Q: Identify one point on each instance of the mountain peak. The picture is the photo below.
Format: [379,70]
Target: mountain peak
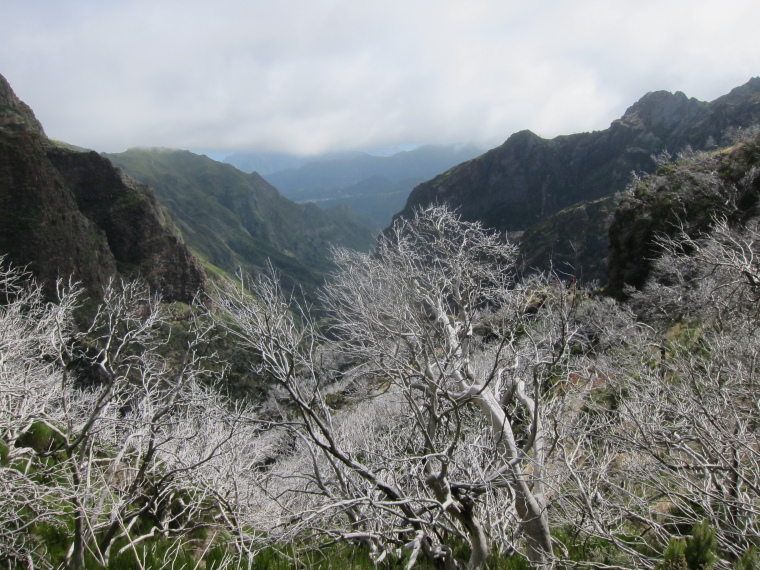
[527,179]
[742,93]
[21,116]
[524,136]
[65,213]
[661,109]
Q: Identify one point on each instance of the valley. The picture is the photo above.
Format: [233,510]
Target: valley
[548,359]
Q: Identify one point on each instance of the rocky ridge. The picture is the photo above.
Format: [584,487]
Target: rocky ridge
[65,213]
[528,178]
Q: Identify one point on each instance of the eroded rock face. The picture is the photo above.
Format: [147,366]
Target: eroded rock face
[66,214]
[40,223]
[140,235]
[529,178]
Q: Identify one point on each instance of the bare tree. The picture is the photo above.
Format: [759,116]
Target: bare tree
[677,438]
[467,369]
[108,426]
[31,336]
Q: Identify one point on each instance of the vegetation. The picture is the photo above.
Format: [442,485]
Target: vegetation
[237,221]
[443,415]
[438,412]
[686,195]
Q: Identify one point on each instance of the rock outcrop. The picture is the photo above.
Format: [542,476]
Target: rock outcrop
[66,214]
[572,242]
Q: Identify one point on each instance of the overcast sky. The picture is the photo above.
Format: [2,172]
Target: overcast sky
[309,76]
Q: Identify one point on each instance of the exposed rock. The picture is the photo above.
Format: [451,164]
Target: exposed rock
[66,214]
[572,243]
[40,223]
[529,178]
[15,115]
[140,235]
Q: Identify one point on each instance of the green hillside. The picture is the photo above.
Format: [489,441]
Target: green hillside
[239,221]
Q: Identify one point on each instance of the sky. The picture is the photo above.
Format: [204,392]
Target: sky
[315,76]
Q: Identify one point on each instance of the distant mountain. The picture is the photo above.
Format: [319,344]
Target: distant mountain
[528,178]
[373,199]
[238,220]
[67,213]
[372,186]
[424,161]
[269,162]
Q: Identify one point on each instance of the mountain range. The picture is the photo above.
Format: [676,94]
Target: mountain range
[173,216]
[519,185]
[269,162]
[374,187]
[68,212]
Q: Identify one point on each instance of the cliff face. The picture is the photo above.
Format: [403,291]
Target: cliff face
[572,242]
[529,178]
[141,237]
[66,213]
[40,222]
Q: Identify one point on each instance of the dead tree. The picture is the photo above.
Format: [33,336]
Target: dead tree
[468,368]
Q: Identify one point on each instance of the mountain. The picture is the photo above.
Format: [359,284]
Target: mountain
[237,220]
[374,199]
[686,195]
[528,178]
[424,161]
[68,213]
[373,186]
[572,242]
[269,162]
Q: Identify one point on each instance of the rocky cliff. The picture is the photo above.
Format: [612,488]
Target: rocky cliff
[572,242]
[67,213]
[529,178]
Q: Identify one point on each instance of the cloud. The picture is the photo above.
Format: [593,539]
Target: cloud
[305,76]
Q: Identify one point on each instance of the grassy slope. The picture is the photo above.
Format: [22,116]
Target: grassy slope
[236,220]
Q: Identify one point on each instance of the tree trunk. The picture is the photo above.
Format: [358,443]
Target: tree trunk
[530,508]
